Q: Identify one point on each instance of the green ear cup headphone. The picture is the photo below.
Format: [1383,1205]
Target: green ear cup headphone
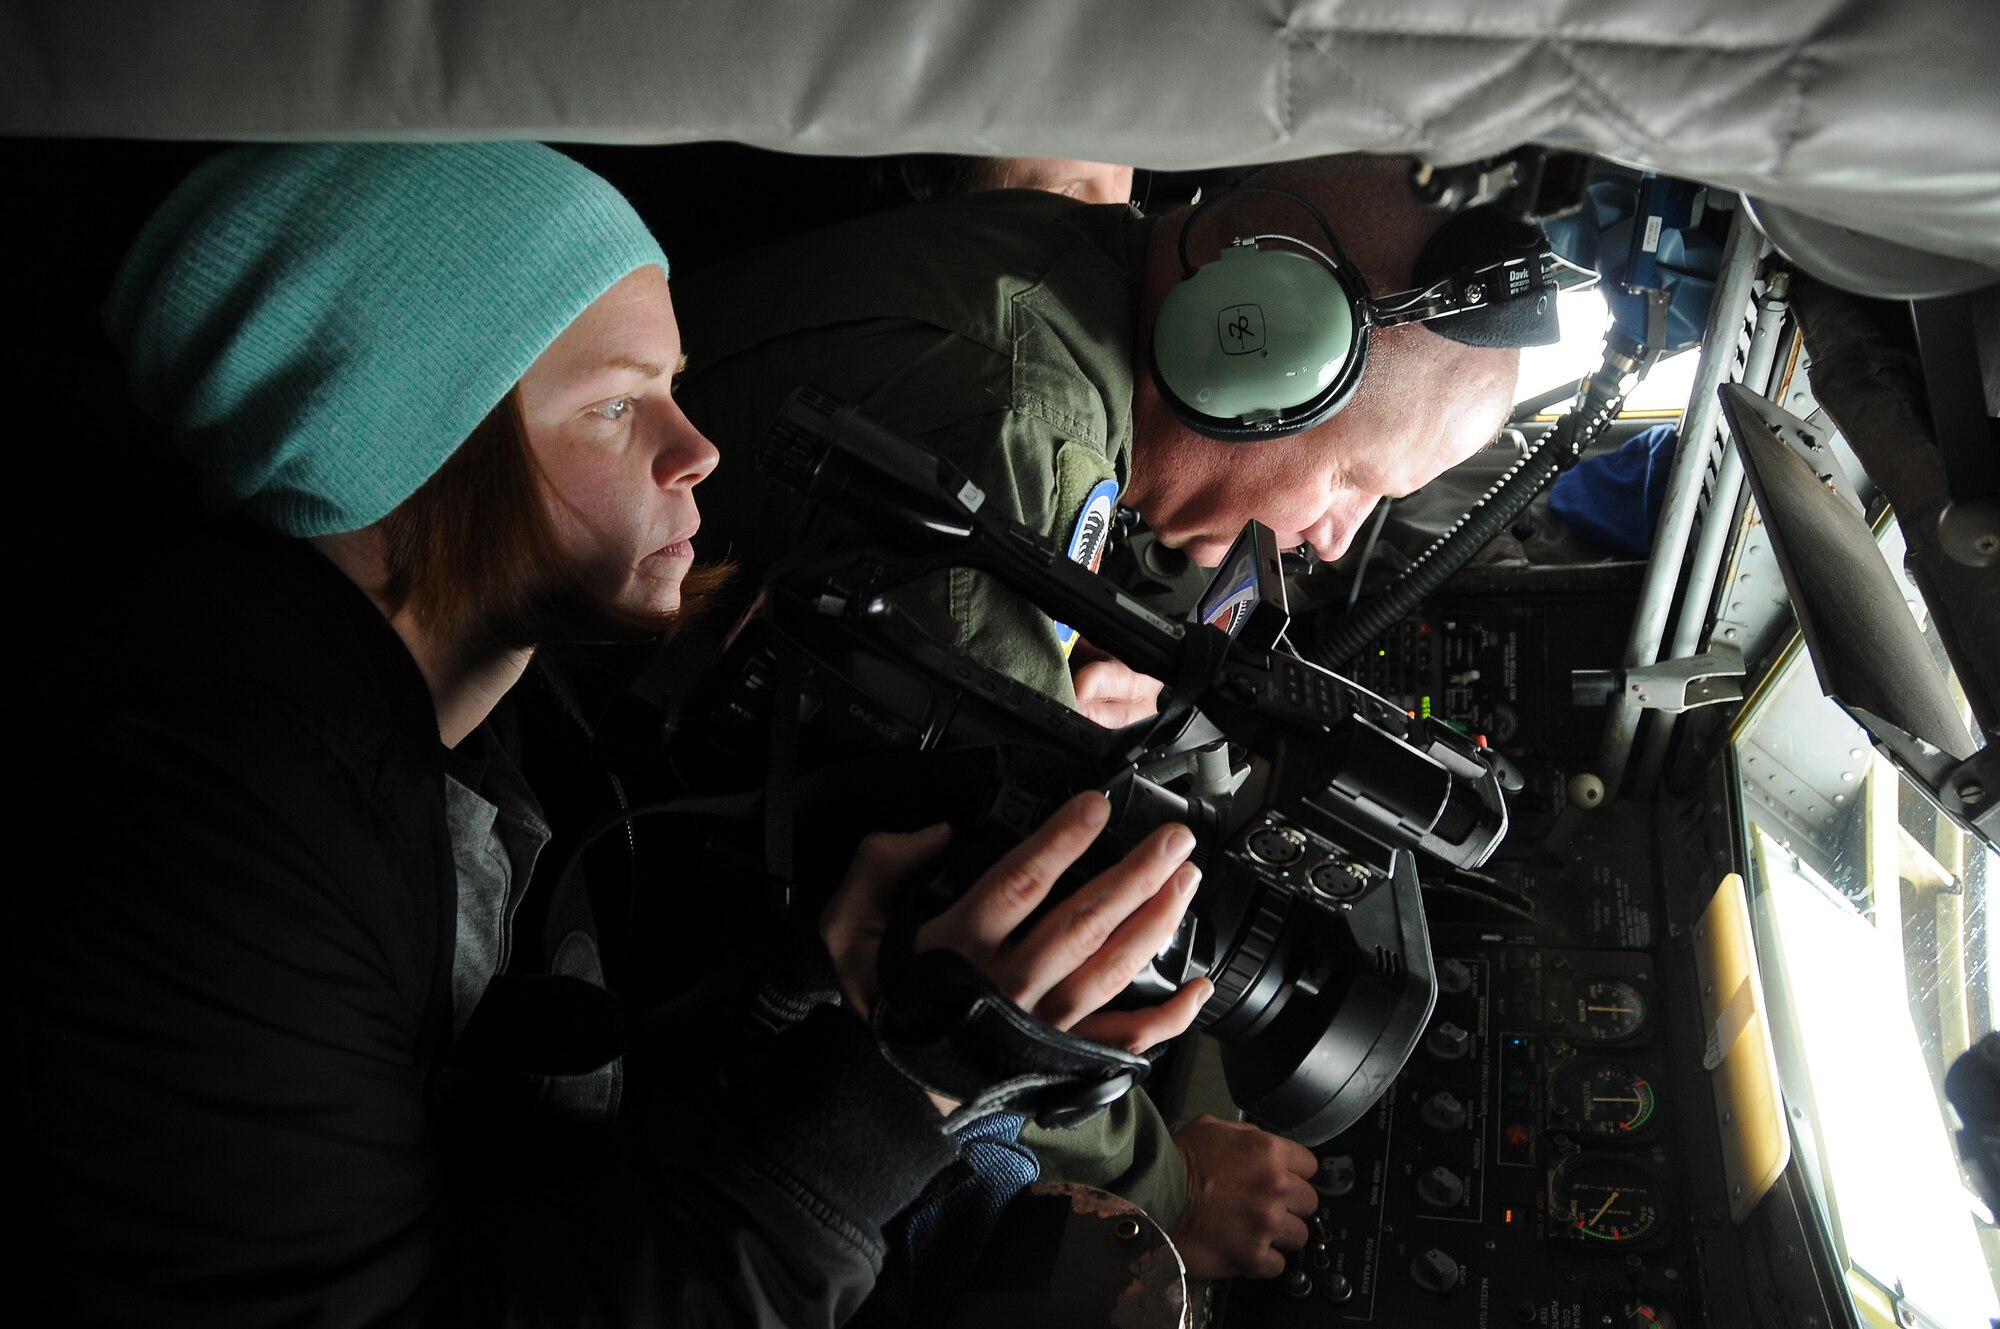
[1263,343]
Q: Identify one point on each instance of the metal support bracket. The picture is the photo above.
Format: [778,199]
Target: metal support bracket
[1971,792]
[1674,686]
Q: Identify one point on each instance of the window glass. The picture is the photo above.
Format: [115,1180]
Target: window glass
[1874,935]
[1584,318]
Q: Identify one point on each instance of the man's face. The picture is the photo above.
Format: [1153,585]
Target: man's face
[1421,410]
[1086,181]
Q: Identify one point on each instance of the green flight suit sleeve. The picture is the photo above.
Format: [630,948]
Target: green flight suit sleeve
[997,333]
[1126,1149]
[1033,474]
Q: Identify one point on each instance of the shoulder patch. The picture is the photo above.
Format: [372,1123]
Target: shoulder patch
[1092,533]
[1088,540]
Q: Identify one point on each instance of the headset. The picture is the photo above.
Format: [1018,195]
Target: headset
[1264,343]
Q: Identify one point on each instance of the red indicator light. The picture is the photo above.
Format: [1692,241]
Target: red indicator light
[1423,627]
[1479,740]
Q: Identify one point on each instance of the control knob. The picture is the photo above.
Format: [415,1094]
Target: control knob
[1335,1177]
[1443,1111]
[1441,1187]
[1434,1271]
[1447,1042]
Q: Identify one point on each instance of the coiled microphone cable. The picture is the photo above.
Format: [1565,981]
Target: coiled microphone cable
[1339,638]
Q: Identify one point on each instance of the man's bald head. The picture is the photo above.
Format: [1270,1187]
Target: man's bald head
[1424,404]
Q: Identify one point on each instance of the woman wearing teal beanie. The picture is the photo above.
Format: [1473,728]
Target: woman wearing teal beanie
[291,1058]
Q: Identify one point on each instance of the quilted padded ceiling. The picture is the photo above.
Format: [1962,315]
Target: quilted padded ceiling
[1879,115]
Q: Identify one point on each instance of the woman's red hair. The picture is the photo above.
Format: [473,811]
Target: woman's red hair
[474,555]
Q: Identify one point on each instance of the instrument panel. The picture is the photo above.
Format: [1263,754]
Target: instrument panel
[1527,1167]
[1517,1173]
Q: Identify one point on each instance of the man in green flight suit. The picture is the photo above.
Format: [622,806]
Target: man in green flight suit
[1010,332]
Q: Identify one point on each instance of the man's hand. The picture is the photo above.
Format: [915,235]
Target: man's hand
[1249,1193]
[1078,956]
[1111,693]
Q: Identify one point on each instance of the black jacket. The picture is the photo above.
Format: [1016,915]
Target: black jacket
[234,1017]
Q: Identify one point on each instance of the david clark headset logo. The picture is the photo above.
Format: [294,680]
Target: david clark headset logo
[1240,328]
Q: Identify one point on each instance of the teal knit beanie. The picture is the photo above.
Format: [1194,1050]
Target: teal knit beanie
[323,324]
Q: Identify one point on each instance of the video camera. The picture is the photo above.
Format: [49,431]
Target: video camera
[1309,796]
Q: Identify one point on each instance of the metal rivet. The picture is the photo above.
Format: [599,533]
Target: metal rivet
[1127,1229]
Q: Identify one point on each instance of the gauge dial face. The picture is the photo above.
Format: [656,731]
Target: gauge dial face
[1601,1010]
[1609,1200]
[1605,1100]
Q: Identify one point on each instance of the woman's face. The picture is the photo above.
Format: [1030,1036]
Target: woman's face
[620,460]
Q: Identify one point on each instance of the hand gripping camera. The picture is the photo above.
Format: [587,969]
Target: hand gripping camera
[1309,796]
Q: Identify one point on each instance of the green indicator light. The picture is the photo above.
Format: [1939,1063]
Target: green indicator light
[1424,708]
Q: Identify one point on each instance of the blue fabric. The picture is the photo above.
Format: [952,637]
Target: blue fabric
[1613,500]
[935,1245]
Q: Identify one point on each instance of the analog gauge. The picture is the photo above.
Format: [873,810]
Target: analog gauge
[1603,1199]
[1604,1099]
[1600,1010]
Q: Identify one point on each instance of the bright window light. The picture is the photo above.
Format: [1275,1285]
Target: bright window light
[1584,318]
